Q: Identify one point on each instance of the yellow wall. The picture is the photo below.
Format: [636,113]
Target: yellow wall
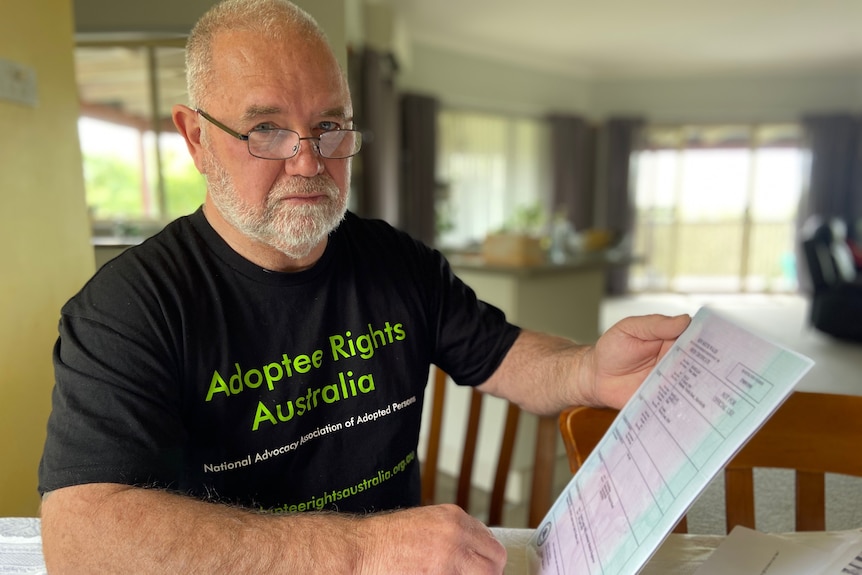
[45,254]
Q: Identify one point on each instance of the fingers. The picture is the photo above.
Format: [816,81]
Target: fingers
[435,539]
[488,554]
[626,353]
[655,326]
[475,550]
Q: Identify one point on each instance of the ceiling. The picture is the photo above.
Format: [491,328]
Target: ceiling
[590,39]
[613,38]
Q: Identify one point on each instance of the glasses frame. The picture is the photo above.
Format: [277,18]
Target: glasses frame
[315,140]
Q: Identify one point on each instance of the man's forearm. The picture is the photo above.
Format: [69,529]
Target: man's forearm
[543,373]
[106,528]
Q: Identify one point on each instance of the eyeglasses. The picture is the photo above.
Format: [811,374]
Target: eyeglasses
[281,144]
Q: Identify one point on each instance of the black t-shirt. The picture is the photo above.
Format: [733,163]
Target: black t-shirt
[182,365]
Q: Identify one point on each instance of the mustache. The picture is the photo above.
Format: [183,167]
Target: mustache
[318,185]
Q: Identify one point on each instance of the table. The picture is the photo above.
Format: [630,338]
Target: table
[21,546]
[21,549]
[680,554]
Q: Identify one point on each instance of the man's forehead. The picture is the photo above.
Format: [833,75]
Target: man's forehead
[270,79]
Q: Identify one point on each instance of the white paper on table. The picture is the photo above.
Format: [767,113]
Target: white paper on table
[21,546]
[846,558]
[713,389]
[750,552]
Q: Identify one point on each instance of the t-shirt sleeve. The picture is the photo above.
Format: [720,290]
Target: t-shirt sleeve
[114,416]
[464,336]
[473,336]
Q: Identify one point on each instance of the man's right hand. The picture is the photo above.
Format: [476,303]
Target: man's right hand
[436,539]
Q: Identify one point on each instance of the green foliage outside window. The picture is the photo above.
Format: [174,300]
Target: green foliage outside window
[115,188]
[185,187]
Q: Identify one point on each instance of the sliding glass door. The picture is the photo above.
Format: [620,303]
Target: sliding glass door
[716,208]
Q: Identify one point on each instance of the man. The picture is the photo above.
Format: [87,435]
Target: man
[268,354]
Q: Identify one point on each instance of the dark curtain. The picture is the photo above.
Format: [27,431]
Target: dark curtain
[375,98]
[836,167]
[835,179]
[621,137]
[419,157]
[572,161]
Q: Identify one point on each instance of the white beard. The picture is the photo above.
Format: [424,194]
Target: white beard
[293,230]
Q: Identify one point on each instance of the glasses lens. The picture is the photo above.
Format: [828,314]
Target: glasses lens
[273,144]
[340,143]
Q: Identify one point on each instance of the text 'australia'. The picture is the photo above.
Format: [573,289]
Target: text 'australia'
[347,387]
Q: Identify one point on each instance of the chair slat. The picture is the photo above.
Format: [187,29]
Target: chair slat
[810,501]
[543,475]
[504,463]
[545,457]
[739,498]
[462,497]
[681,526]
[435,427]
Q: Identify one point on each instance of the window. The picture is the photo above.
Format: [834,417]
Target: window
[492,171]
[137,171]
[716,208]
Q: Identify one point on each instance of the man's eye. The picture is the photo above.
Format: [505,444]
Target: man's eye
[263,127]
[328,126]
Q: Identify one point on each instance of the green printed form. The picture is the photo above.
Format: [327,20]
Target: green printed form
[714,388]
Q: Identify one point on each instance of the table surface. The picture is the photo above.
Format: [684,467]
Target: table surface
[21,549]
[20,546]
[680,554]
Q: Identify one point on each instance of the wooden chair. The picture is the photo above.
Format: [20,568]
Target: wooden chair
[545,456]
[811,433]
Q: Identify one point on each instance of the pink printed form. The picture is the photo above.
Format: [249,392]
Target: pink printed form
[712,391]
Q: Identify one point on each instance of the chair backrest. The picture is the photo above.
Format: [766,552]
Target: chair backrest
[828,255]
[545,455]
[840,251]
[812,433]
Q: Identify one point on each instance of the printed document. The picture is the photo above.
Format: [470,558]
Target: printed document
[750,552]
[713,389]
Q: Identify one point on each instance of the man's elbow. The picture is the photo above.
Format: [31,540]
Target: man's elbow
[70,523]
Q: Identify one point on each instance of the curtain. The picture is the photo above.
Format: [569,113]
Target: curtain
[572,161]
[376,112]
[419,157]
[836,167]
[620,137]
[835,184]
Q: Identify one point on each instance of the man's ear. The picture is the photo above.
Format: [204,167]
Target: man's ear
[188,125]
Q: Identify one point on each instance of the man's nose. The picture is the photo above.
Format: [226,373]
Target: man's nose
[307,161]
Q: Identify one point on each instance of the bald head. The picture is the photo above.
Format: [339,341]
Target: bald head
[275,20]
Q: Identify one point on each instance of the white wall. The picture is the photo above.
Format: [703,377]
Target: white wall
[470,81]
[768,97]
[475,81]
